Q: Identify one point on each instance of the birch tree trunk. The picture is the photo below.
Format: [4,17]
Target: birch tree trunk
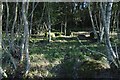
[61,29]
[93,24]
[31,20]
[1,40]
[106,9]
[13,27]
[114,26]
[2,73]
[27,6]
[118,26]
[7,24]
[49,24]
[26,37]
[65,28]
[96,21]
[101,32]
[7,20]
[118,22]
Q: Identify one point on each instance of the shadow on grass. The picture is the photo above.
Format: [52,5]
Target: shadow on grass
[69,67]
[62,46]
[66,70]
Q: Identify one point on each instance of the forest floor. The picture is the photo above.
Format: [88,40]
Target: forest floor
[69,57]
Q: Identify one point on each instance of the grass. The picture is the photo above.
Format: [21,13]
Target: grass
[59,56]
[65,57]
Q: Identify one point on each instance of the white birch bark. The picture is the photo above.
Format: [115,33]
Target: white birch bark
[26,36]
[91,17]
[61,29]
[101,34]
[106,9]
[2,73]
[102,21]
[49,24]
[0,39]
[65,27]
[7,20]
[27,6]
[31,20]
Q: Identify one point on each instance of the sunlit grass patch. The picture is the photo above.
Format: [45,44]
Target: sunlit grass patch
[61,55]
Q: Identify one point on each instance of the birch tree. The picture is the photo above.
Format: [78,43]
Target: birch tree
[2,73]
[26,37]
[65,25]
[118,21]
[31,19]
[1,70]
[13,27]
[101,29]
[91,17]
[106,9]
[7,19]
[49,23]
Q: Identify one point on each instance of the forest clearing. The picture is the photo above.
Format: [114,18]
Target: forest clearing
[59,40]
[67,57]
